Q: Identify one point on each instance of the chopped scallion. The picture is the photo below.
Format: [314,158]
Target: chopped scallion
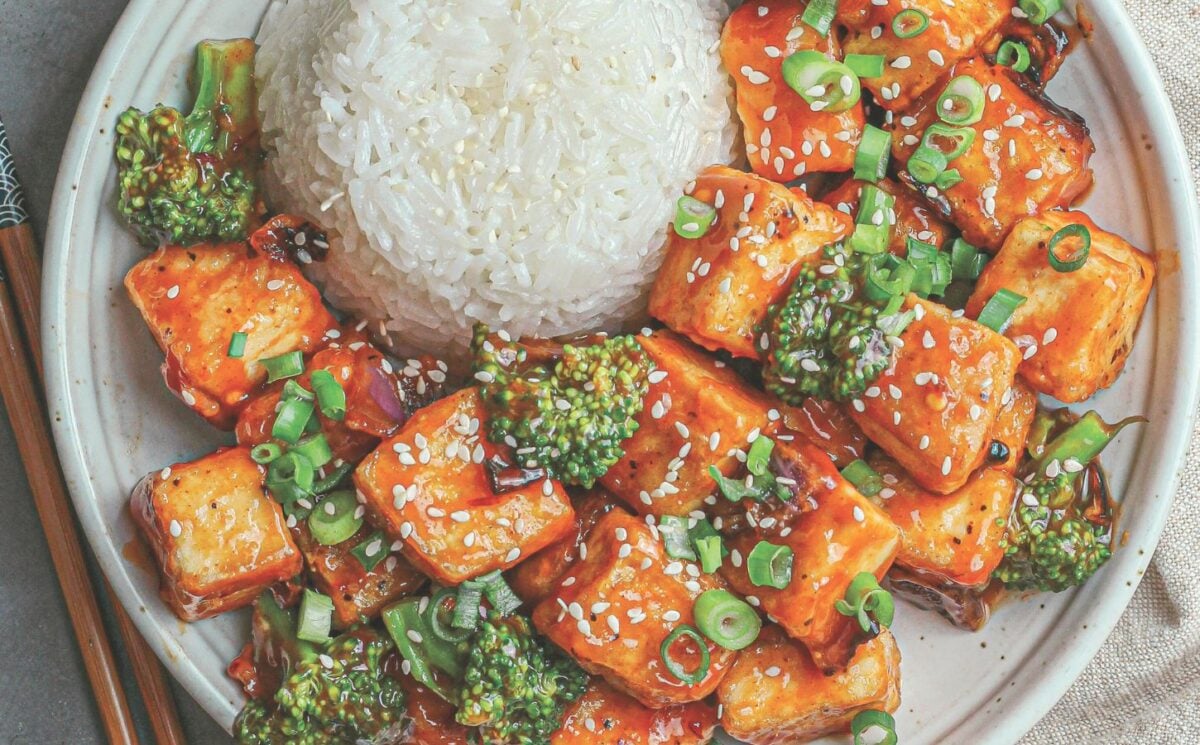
[999,310]
[1069,248]
[871,157]
[825,84]
[770,565]
[371,550]
[909,22]
[711,551]
[866,479]
[674,666]
[1013,54]
[693,218]
[501,597]
[237,344]
[925,164]
[333,520]
[966,261]
[865,65]
[466,607]
[265,452]
[283,366]
[291,420]
[316,617]
[331,397]
[441,614]
[1039,11]
[962,101]
[819,15]
[726,619]
[867,602]
[674,533]
[869,719]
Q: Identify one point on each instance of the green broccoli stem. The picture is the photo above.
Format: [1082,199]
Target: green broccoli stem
[224,110]
[1083,441]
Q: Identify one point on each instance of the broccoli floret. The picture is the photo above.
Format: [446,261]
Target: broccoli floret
[516,687]
[1051,545]
[338,693]
[569,414]
[828,339]
[189,179]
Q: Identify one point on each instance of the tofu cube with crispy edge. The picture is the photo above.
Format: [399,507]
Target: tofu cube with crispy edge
[933,410]
[784,137]
[826,425]
[605,716]
[1028,155]
[195,299]
[716,289]
[697,414]
[366,378]
[1075,329]
[218,538]
[1017,410]
[918,64]
[834,533]
[428,487]
[914,218]
[356,593]
[616,607]
[534,578]
[775,695]
[953,537]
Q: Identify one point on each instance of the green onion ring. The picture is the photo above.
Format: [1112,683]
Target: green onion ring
[726,619]
[1077,258]
[866,479]
[962,101]
[331,528]
[770,565]
[287,365]
[999,310]
[674,666]
[1013,54]
[909,22]
[443,624]
[865,720]
[237,345]
[693,218]
[825,84]
[1039,11]
[264,453]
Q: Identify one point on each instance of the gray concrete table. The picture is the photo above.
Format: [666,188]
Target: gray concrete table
[47,50]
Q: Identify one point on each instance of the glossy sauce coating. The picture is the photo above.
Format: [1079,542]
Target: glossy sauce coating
[605,716]
[914,217]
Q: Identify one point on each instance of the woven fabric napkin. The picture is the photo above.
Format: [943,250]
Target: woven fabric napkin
[1144,685]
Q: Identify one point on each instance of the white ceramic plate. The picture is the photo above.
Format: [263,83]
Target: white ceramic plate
[114,419]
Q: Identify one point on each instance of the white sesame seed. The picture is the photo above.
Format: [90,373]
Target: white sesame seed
[176,529]
[513,554]
[173,292]
[946,466]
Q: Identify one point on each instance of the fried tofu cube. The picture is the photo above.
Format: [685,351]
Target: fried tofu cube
[914,218]
[1013,423]
[356,592]
[195,299]
[697,413]
[916,64]
[428,487]
[955,537]
[933,410]
[785,137]
[824,424]
[1075,329]
[716,289]
[615,608]
[534,578]
[834,533]
[1028,155]
[219,539]
[605,716]
[775,695]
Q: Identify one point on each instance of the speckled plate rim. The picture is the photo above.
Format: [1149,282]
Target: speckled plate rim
[1019,714]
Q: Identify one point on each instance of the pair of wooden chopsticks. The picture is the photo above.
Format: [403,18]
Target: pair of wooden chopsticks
[20,361]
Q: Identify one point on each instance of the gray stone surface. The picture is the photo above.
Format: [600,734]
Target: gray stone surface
[47,50]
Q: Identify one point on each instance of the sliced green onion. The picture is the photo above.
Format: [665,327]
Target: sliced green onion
[770,565]
[237,344]
[886,279]
[867,602]
[423,650]
[999,310]
[265,453]
[315,448]
[1077,257]
[758,458]
[869,239]
[331,397]
[466,608]
[316,617]
[946,179]
[284,366]
[1039,11]
[676,667]
[503,600]
[966,261]
[865,479]
[871,157]
[909,22]
[674,533]
[440,617]
[824,84]
[942,274]
[292,390]
[926,164]
[819,15]
[1013,54]
[1082,442]
[711,551]
[874,719]
[726,619]
[291,468]
[333,520]
[291,420]
[865,65]
[693,218]
[918,252]
[372,550]
[333,478]
[875,206]
[937,136]
[962,101]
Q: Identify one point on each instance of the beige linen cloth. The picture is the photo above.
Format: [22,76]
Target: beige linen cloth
[1144,685]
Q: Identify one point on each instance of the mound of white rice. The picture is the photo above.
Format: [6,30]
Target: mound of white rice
[510,161]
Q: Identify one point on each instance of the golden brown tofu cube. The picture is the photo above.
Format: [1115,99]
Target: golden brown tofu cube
[824,424]
[914,218]
[195,299]
[605,716]
[356,592]
[775,695]
[1028,155]
[615,608]
[784,137]
[916,64]
[697,413]
[834,533]
[428,487]
[933,410]
[954,537]
[716,289]
[218,538]
[534,578]
[1011,430]
[1075,329]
